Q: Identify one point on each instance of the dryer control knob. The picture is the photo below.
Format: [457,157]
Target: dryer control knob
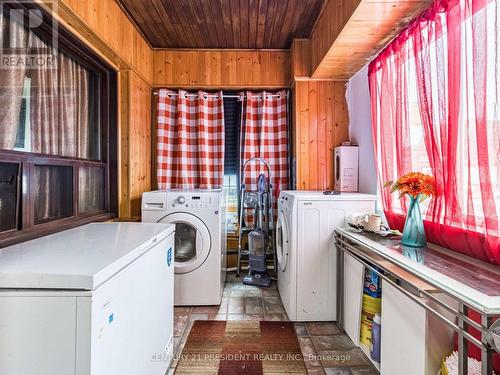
[181,200]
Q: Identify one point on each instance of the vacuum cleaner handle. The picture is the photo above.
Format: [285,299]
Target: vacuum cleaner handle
[261,160]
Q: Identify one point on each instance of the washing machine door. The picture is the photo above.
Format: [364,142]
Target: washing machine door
[282,241]
[192,241]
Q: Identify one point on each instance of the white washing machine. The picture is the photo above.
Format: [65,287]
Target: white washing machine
[307,258]
[200,241]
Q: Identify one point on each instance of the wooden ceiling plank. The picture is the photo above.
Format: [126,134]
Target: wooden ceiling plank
[181,23]
[254,24]
[279,19]
[203,24]
[286,27]
[142,16]
[210,24]
[217,16]
[311,21]
[261,23]
[244,24]
[179,32]
[235,22]
[308,7]
[190,23]
[225,6]
[168,31]
[271,17]
[253,7]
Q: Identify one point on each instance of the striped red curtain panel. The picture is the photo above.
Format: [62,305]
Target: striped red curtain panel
[190,140]
[264,134]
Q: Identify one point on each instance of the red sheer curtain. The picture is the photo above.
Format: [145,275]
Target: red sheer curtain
[435,108]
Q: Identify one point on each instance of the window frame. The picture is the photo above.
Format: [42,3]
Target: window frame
[106,109]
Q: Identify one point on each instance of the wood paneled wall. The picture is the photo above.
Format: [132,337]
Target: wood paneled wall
[105,28]
[140,151]
[135,143]
[300,58]
[320,123]
[221,68]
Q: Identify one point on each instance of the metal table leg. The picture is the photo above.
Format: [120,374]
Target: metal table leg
[486,351]
[462,343]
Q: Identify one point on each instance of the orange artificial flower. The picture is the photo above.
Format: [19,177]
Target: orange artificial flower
[414,184]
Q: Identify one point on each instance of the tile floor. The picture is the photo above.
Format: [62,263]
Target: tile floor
[326,349]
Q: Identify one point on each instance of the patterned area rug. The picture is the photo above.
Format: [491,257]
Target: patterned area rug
[241,347]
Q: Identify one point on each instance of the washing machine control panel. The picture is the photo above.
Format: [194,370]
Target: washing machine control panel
[192,201]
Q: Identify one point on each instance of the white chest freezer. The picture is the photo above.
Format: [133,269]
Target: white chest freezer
[93,300]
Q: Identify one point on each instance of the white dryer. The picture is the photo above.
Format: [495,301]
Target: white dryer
[200,241]
[307,257]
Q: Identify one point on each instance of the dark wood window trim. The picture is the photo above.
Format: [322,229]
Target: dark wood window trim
[107,114]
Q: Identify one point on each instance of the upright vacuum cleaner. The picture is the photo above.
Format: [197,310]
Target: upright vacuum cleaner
[260,236]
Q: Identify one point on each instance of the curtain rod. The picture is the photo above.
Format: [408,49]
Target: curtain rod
[223,95]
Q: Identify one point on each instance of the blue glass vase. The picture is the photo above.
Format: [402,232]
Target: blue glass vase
[414,234]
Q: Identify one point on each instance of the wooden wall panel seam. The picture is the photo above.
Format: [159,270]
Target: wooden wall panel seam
[140,162]
[123,146]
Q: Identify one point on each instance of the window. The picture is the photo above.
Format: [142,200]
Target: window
[231,184]
[9,185]
[232,115]
[435,105]
[57,127]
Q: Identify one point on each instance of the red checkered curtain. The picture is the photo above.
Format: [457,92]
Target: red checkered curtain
[264,134]
[190,140]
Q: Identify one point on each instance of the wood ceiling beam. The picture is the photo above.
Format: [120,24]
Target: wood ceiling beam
[350,33]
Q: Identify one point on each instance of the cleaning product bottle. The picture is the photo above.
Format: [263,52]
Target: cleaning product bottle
[375,345]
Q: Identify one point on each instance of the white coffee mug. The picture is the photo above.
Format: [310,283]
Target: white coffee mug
[373,223]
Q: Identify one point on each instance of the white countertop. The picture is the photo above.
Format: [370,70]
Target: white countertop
[80,258]
[474,282]
[318,195]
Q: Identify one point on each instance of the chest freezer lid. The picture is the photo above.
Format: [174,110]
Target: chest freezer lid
[80,258]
